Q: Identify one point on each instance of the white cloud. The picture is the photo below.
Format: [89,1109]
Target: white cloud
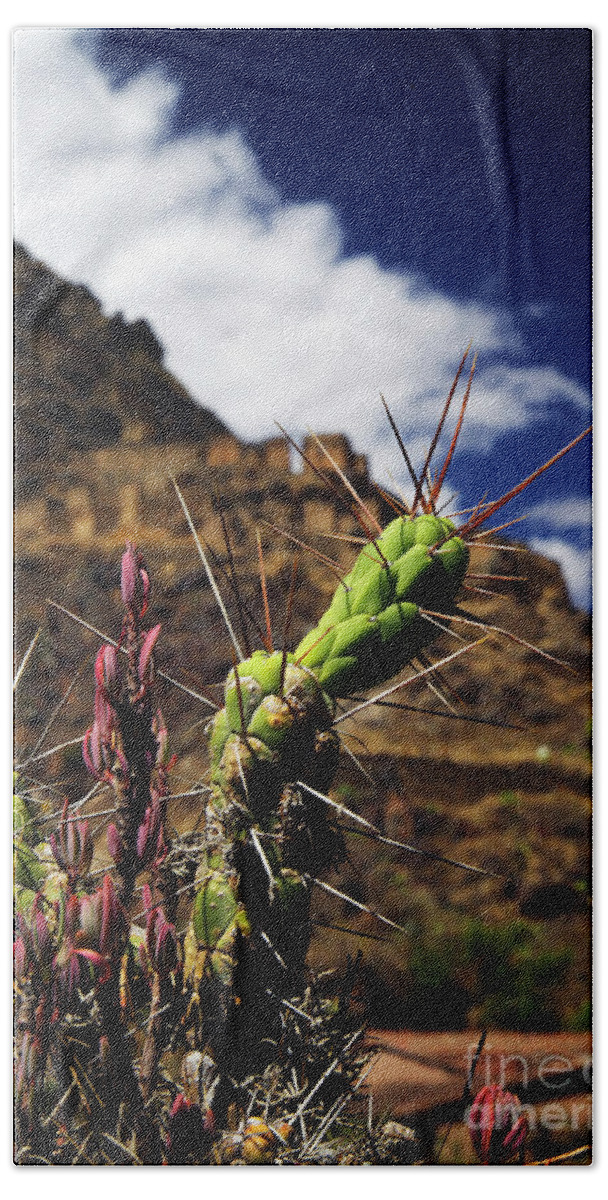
[260,314]
[575,564]
[571,512]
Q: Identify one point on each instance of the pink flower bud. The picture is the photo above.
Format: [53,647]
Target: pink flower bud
[73,975]
[20,959]
[149,831]
[145,588]
[147,647]
[134,581]
[161,943]
[42,937]
[113,918]
[89,919]
[106,670]
[74,852]
[167,956]
[147,899]
[114,842]
[91,752]
[497,1126]
[141,844]
[69,841]
[105,717]
[129,570]
[180,1104]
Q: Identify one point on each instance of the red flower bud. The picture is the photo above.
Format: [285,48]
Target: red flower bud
[106,670]
[94,929]
[150,841]
[147,899]
[497,1125]
[141,844]
[105,717]
[161,942]
[134,581]
[91,752]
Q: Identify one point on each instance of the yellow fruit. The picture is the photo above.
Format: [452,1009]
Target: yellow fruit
[259,1142]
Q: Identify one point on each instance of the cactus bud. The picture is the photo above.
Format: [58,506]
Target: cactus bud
[113,918]
[74,852]
[106,671]
[134,581]
[161,942]
[145,653]
[373,627]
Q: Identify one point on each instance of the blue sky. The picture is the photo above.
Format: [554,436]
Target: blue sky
[309,218]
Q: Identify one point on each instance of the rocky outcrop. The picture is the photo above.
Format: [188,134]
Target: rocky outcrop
[83,381]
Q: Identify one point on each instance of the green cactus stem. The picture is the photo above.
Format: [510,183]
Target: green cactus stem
[251,925]
[373,626]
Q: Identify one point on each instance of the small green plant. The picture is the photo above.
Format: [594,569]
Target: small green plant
[514,979]
[510,800]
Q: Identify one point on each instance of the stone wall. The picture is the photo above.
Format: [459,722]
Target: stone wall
[124,491]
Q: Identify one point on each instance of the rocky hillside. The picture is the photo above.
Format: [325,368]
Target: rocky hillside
[84,381]
[99,426]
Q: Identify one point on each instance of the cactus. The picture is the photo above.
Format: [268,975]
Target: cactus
[274,750]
